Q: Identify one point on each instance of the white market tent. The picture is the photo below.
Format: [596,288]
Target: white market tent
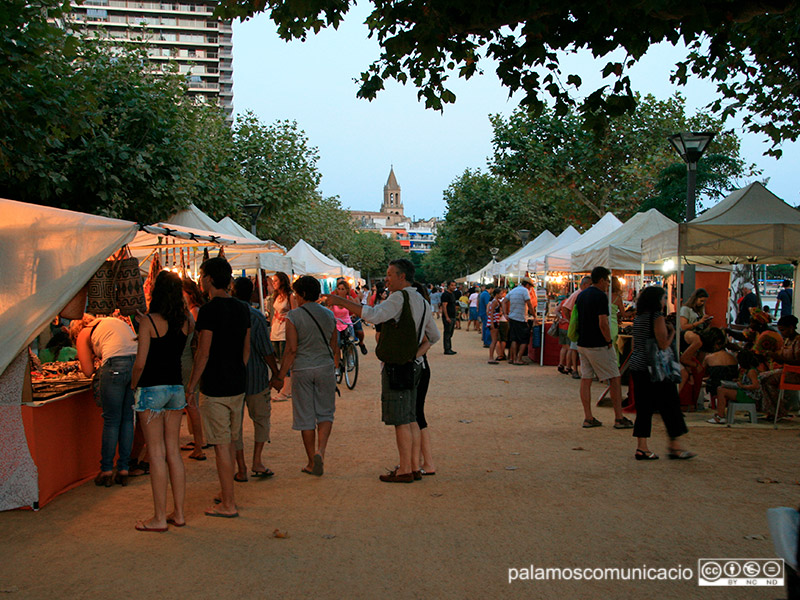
[621,250]
[269,261]
[49,254]
[559,256]
[511,263]
[316,263]
[750,225]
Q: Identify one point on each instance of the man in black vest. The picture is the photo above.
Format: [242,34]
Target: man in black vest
[398,407]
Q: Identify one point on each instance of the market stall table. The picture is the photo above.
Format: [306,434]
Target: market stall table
[63,436]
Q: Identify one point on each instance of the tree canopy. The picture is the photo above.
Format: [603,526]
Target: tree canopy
[748,47]
[582,175]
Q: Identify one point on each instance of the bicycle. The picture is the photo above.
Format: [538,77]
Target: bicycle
[348,357]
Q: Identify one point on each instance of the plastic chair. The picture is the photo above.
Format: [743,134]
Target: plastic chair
[783,386]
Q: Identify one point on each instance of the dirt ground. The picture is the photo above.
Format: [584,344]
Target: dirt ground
[519,483]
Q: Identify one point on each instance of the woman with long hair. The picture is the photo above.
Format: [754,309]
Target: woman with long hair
[498,325]
[789,354]
[283,300]
[194,300]
[160,397]
[662,396]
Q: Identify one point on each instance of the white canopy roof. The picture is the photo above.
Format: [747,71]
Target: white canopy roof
[316,263]
[192,228]
[269,261]
[511,263]
[560,259]
[621,250]
[751,225]
[49,255]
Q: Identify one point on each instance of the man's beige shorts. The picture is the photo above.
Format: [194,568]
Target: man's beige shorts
[222,417]
[598,361]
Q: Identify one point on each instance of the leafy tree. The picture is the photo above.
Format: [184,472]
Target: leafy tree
[750,42]
[582,175]
[484,212]
[277,164]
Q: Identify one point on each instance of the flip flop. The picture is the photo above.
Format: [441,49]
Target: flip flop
[493,362]
[306,471]
[172,521]
[216,513]
[426,473]
[239,479]
[142,527]
[262,474]
[190,446]
[202,457]
[318,466]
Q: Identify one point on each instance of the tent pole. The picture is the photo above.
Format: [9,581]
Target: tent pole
[678,296]
[260,288]
[544,315]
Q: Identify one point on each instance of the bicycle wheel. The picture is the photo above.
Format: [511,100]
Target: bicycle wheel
[351,365]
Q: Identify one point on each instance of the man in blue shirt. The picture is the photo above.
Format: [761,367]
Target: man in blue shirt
[261,372]
[784,299]
[483,302]
[514,305]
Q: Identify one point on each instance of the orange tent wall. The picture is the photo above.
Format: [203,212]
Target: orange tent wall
[717,284]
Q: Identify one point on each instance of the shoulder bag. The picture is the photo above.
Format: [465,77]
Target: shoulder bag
[661,364]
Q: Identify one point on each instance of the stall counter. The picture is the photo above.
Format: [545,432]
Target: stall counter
[64,436]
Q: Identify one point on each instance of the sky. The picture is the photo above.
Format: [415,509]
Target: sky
[312,83]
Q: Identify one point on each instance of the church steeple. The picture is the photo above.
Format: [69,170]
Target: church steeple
[392,202]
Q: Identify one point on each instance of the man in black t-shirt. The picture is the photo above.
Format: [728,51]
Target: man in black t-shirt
[448,316]
[598,357]
[220,366]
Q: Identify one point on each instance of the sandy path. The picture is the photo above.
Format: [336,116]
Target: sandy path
[454,535]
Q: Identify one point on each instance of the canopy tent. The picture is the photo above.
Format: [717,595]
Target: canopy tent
[194,218]
[316,263]
[269,261]
[750,225]
[497,268]
[558,257]
[511,263]
[621,250]
[49,254]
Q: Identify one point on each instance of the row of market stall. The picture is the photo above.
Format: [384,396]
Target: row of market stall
[49,256]
[749,226]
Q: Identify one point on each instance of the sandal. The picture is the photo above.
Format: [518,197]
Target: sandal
[623,423]
[680,455]
[587,424]
[645,455]
[717,420]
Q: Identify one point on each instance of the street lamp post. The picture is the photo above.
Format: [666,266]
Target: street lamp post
[524,234]
[253,211]
[690,147]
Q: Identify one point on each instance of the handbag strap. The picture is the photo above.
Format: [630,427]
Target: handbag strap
[322,333]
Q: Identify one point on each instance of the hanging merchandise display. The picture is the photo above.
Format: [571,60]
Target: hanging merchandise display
[117,285]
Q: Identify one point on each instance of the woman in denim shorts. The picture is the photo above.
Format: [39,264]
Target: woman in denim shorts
[160,398]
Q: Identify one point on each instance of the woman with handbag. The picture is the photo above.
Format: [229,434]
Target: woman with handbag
[112,343]
[160,397]
[312,353]
[651,334]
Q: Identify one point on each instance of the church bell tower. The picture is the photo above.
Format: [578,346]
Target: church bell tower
[392,202]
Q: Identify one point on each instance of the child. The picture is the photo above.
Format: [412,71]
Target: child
[747,390]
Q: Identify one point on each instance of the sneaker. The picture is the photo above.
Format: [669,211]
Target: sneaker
[280,398]
[576,375]
[395,477]
[363,349]
[450,353]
